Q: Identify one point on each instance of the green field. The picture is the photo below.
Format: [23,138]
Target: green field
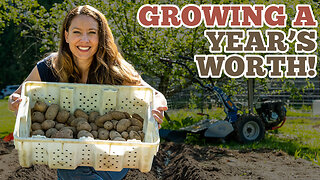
[7,119]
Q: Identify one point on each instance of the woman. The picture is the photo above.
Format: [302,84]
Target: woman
[87,54]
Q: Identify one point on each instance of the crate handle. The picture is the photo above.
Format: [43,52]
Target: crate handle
[21,115]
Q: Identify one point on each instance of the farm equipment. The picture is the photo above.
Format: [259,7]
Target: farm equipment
[247,127]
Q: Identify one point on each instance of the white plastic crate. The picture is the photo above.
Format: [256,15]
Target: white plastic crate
[103,155]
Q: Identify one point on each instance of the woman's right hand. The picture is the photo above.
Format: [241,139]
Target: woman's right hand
[14,102]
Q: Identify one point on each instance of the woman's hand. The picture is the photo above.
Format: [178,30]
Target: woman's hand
[160,107]
[14,102]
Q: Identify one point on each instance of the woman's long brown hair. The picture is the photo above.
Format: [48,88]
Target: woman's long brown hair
[107,67]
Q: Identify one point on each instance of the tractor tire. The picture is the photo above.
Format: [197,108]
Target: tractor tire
[281,114]
[249,128]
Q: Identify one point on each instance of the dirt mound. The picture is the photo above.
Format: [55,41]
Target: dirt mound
[34,172]
[181,161]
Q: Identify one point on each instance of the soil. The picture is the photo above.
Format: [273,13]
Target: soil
[181,161]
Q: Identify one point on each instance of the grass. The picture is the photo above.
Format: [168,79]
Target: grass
[298,137]
[7,119]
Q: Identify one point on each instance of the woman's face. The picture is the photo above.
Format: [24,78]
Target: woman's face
[83,38]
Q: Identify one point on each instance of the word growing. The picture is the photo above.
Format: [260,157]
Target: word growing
[243,16]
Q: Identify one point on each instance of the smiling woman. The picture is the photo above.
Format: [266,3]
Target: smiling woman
[87,54]
[82,37]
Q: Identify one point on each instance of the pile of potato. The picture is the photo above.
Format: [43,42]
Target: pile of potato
[54,122]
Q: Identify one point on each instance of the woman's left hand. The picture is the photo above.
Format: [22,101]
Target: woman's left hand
[160,107]
[158,114]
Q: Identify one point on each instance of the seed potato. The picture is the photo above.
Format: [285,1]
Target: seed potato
[35,126]
[103,134]
[58,126]
[125,134]
[134,135]
[83,125]
[63,133]
[136,122]
[114,134]
[123,125]
[80,113]
[37,117]
[52,111]
[84,133]
[117,115]
[47,124]
[108,125]
[37,132]
[134,128]
[73,129]
[40,106]
[63,116]
[51,132]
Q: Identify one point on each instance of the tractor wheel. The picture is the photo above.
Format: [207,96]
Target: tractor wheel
[249,128]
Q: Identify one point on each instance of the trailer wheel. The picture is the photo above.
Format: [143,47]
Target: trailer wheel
[249,128]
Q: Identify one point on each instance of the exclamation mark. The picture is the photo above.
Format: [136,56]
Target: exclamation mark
[312,66]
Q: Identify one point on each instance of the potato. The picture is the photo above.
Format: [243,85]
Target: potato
[63,133]
[51,132]
[84,133]
[103,134]
[134,128]
[119,139]
[141,133]
[79,113]
[100,129]
[58,126]
[40,106]
[93,115]
[95,134]
[37,117]
[70,119]
[123,125]
[134,135]
[137,116]
[73,129]
[63,116]
[114,122]
[75,122]
[117,115]
[136,122]
[94,127]
[37,132]
[52,111]
[100,120]
[83,125]
[125,134]
[47,124]
[113,134]
[108,125]
[35,126]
